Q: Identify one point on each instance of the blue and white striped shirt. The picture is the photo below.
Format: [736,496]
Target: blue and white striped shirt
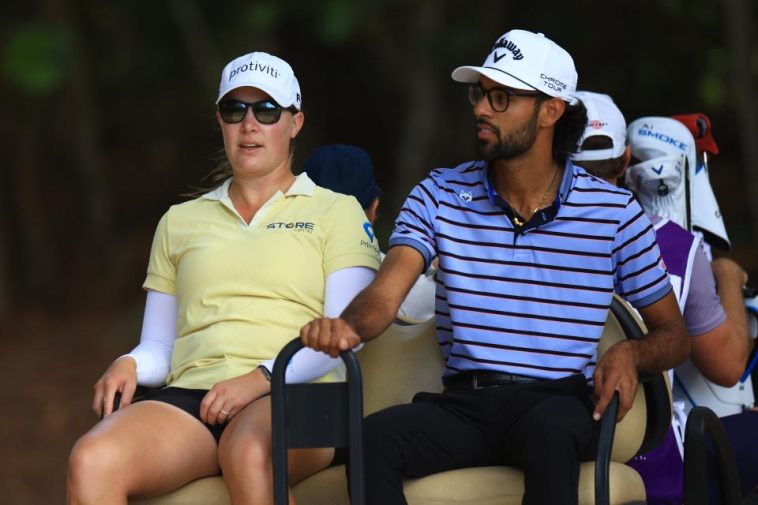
[535,302]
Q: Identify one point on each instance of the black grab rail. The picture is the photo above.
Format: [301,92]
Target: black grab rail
[317,415]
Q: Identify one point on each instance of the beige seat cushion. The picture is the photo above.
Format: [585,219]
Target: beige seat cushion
[208,491]
[403,361]
[473,486]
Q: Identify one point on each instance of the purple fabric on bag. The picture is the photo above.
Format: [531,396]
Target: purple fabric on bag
[702,310]
[675,243]
[662,470]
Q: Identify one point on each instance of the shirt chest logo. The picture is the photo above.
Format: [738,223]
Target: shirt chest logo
[466,196]
[296,226]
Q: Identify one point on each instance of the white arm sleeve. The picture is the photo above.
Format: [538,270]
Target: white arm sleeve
[153,354]
[341,288]
[418,305]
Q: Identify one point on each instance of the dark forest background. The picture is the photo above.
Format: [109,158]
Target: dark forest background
[107,118]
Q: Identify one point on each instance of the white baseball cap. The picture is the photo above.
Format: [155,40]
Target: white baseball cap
[525,60]
[265,72]
[603,119]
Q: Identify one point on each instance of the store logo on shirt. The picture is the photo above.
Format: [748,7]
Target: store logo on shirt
[305,226]
[466,196]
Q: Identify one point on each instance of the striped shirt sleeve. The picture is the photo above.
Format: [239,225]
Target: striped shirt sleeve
[414,226]
[639,274]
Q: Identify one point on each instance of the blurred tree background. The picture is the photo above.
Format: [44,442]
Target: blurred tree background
[107,118]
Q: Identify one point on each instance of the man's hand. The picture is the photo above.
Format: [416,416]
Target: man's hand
[331,336]
[729,271]
[372,311]
[616,371]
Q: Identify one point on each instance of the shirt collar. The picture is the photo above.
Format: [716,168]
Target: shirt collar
[303,185]
[566,184]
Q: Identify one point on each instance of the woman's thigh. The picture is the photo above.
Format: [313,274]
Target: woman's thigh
[150,448]
[252,426]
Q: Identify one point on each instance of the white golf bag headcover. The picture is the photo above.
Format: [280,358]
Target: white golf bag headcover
[660,187]
[669,180]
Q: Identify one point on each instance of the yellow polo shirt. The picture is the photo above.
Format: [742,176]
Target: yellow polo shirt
[244,291]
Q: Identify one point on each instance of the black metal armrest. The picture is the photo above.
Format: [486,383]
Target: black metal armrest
[604,448]
[657,400]
[317,415]
[657,397]
[702,425]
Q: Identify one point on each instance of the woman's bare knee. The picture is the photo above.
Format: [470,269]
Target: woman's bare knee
[245,446]
[148,448]
[246,451]
[93,463]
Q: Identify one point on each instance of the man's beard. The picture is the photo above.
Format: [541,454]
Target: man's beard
[515,144]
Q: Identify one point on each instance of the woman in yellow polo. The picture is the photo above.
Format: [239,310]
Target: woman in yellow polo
[233,276]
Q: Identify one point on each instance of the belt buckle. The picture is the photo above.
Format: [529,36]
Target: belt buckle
[475,382]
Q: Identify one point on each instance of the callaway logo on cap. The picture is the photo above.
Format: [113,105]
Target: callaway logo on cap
[525,60]
[265,72]
[603,119]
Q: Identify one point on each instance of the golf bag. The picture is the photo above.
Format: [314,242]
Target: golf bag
[669,174]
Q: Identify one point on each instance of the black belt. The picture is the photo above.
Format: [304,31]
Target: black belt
[483,379]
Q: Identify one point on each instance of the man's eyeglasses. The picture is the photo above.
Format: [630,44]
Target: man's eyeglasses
[498,98]
[265,111]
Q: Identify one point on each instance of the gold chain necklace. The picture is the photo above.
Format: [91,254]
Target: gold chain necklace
[518,221]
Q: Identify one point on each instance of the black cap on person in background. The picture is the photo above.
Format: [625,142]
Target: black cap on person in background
[344,169]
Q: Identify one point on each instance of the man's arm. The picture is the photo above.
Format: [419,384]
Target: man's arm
[721,354]
[665,346]
[373,310]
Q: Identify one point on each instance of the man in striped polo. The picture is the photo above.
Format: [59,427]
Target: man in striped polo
[531,250]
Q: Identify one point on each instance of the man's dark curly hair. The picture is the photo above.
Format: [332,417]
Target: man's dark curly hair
[568,131]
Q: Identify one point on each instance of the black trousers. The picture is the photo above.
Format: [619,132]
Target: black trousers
[741,432]
[545,428]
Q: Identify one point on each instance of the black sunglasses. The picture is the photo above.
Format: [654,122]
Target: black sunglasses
[499,98]
[265,111]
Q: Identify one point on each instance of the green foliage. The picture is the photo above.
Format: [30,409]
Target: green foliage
[712,86]
[144,122]
[35,59]
[339,20]
[264,15]
[673,8]
[711,91]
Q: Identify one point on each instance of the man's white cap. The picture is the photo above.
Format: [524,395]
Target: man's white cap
[658,142]
[603,119]
[265,72]
[525,60]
